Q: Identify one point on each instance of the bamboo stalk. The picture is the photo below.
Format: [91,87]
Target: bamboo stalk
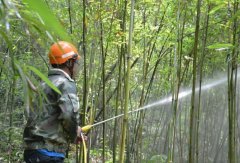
[103,82]
[200,69]
[70,17]
[125,119]
[193,98]
[117,105]
[232,76]
[85,81]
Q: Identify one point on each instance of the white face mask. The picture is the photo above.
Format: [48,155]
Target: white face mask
[76,69]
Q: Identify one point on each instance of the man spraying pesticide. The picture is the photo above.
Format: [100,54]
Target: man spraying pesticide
[53,122]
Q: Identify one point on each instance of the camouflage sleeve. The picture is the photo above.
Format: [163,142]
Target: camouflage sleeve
[69,104]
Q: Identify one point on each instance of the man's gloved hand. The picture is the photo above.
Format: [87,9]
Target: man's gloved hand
[80,136]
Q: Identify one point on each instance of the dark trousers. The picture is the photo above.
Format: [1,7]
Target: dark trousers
[33,156]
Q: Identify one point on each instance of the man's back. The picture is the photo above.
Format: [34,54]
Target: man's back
[52,122]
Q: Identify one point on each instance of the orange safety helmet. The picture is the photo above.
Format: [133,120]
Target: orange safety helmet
[62,51]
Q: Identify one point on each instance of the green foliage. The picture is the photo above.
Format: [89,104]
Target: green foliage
[96,155]
[44,78]
[28,27]
[157,159]
[14,147]
[218,7]
[220,46]
[47,18]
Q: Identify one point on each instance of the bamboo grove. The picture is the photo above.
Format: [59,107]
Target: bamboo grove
[133,53]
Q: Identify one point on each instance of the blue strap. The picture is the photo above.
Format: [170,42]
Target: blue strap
[51,153]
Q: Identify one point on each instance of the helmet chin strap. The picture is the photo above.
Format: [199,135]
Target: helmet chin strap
[70,67]
[71,72]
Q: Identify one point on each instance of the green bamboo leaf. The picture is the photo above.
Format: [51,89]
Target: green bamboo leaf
[25,84]
[235,16]
[5,37]
[4,69]
[44,78]
[220,46]
[218,7]
[47,18]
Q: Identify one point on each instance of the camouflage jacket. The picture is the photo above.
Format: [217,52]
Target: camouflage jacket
[53,118]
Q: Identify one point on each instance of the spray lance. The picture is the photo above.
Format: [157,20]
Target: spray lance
[86,128]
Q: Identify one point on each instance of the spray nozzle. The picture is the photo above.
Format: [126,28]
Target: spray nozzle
[86,128]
